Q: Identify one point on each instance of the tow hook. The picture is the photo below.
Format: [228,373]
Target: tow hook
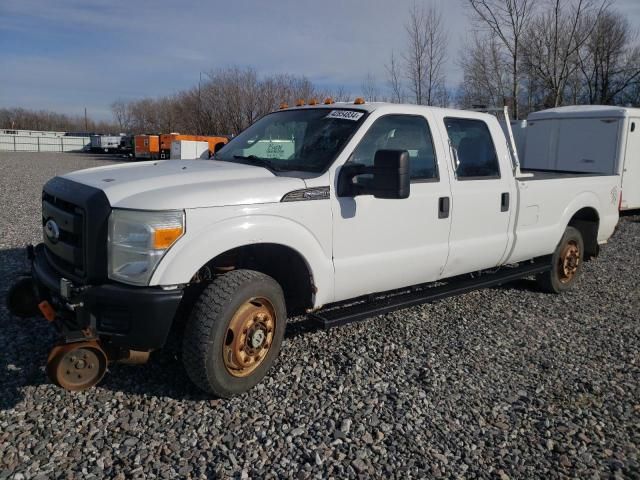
[48,312]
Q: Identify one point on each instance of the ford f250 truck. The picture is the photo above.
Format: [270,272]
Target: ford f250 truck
[370,207]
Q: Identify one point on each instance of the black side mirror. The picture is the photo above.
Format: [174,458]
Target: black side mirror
[390,177]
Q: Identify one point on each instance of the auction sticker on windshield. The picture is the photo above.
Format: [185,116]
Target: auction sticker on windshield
[345,115]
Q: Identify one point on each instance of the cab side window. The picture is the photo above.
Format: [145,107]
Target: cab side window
[400,132]
[476,157]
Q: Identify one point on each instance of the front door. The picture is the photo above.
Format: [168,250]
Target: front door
[482,198]
[381,244]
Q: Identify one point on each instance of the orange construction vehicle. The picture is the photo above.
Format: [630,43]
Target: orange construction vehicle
[147,146]
[167,138]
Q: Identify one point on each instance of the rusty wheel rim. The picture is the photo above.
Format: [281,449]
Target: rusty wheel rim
[249,337]
[569,261]
[75,367]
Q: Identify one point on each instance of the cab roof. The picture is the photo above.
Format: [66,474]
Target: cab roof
[388,107]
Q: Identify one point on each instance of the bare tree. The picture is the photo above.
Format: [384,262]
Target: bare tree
[485,67]
[122,114]
[370,88]
[552,43]
[340,94]
[610,59]
[23,119]
[425,56]
[507,20]
[631,95]
[394,79]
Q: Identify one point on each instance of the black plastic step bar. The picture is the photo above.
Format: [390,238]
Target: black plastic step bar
[379,304]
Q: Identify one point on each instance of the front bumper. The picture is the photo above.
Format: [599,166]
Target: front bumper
[125,317]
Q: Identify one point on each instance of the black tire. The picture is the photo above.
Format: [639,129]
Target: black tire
[557,280]
[206,337]
[21,298]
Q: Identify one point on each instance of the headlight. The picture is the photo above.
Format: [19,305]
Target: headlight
[138,240]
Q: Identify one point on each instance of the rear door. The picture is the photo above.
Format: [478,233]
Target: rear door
[482,191]
[631,167]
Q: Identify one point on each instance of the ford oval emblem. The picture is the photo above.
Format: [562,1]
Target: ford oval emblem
[52,231]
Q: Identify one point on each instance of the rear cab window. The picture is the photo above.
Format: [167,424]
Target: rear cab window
[474,152]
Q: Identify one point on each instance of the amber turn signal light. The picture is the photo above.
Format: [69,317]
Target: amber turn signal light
[165,237]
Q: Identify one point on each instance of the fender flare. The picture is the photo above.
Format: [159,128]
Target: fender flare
[583,200]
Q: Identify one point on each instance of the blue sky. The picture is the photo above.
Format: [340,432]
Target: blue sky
[64,55]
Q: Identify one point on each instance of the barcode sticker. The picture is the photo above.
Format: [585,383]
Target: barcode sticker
[345,115]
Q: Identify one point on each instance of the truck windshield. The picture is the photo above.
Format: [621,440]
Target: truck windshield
[306,140]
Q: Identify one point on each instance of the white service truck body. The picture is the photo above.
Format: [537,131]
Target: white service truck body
[361,199]
[588,138]
[189,150]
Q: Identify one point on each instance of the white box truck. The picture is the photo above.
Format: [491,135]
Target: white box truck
[588,139]
[105,143]
[189,150]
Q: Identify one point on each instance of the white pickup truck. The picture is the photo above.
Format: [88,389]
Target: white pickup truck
[370,207]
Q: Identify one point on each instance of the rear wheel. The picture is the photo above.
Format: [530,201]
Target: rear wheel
[566,263]
[234,333]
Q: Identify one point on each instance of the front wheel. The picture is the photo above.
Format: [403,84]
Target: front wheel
[566,263]
[234,333]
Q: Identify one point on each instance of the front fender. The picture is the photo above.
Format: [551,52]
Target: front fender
[205,240]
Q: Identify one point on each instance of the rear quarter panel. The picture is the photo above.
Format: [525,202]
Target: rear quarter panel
[545,208]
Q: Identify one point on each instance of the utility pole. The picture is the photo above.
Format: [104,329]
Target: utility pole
[199,106]
[86,128]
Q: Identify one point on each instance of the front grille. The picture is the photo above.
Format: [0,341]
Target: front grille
[76,244]
[66,253]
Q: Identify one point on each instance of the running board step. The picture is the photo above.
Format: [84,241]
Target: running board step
[336,316]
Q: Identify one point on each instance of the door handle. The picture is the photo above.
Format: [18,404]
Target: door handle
[504,202]
[443,207]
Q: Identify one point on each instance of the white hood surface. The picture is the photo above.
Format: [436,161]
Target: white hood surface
[178,184]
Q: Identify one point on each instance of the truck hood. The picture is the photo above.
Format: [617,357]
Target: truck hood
[178,184]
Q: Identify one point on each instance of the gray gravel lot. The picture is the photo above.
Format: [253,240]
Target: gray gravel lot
[500,383]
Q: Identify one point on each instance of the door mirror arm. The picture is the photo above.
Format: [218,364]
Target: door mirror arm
[348,173]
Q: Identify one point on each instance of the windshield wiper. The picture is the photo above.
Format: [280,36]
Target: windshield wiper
[257,161]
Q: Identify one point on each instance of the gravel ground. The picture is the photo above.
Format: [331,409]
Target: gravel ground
[500,383]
